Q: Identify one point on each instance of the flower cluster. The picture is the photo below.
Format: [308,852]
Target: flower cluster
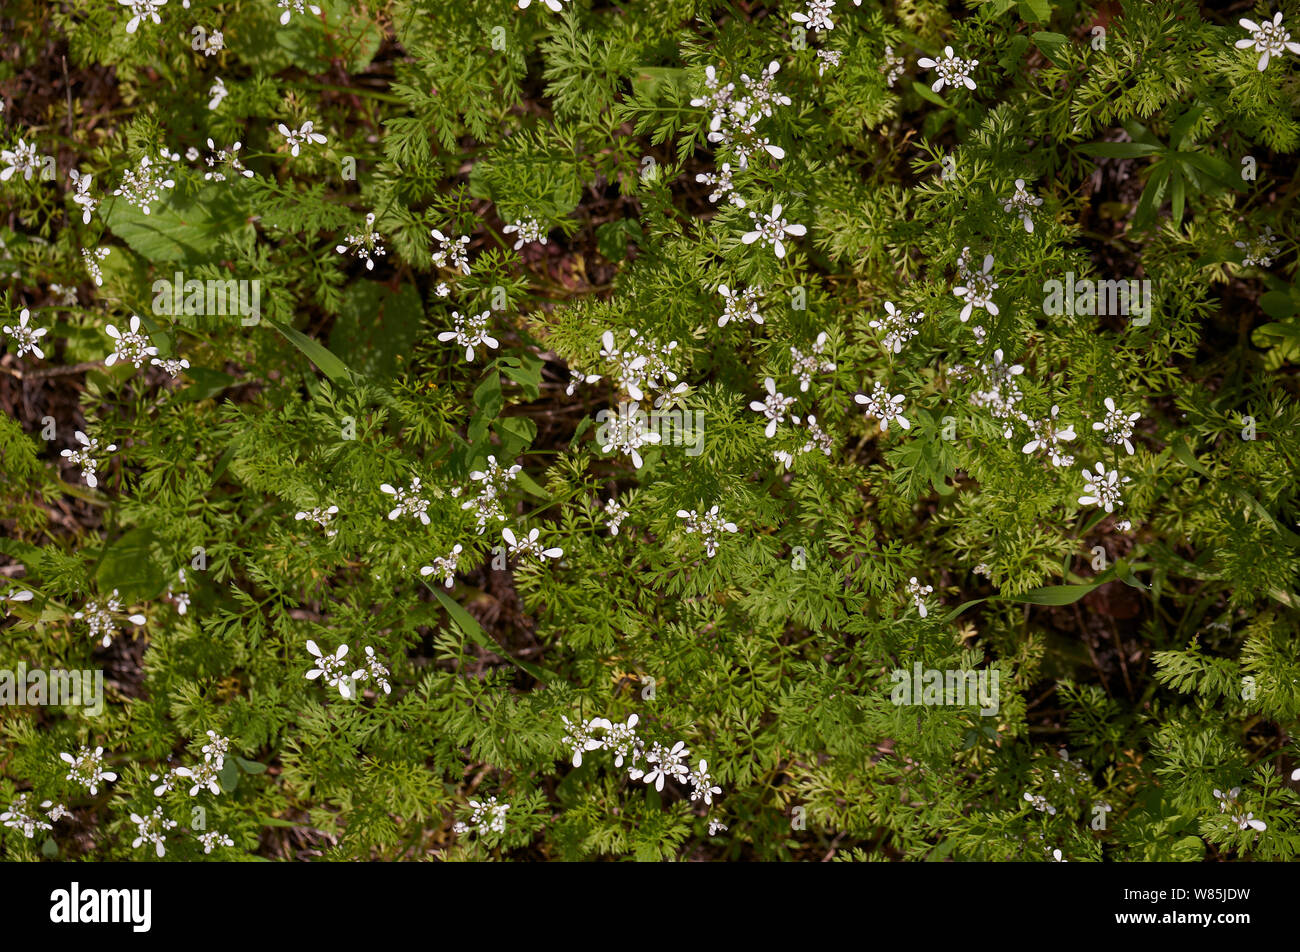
[486,816]
[143,185]
[408,502]
[26,335]
[884,406]
[493,482]
[23,817]
[469,332]
[651,765]
[101,621]
[87,768]
[152,828]
[334,671]
[897,327]
[710,526]
[626,431]
[952,69]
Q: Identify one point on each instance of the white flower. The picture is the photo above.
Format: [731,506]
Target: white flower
[772,230]
[805,365]
[740,305]
[578,738]
[721,184]
[773,406]
[445,566]
[86,457]
[142,10]
[1040,803]
[93,259]
[203,775]
[1260,250]
[168,783]
[408,501]
[295,6]
[27,336]
[952,69]
[614,516]
[918,593]
[576,377]
[451,252]
[818,16]
[1117,426]
[218,92]
[132,347]
[470,332]
[17,595]
[100,621]
[621,739]
[529,546]
[228,158]
[20,817]
[152,828]
[1103,489]
[1046,435]
[216,749]
[884,407]
[487,817]
[82,195]
[1020,203]
[213,839]
[702,787]
[367,245]
[87,768]
[67,297]
[304,135]
[214,44]
[554,5]
[666,764]
[832,58]
[716,827]
[1001,393]
[143,185]
[21,158]
[1268,39]
[626,431]
[977,291]
[375,670]
[171,365]
[709,526]
[322,517]
[332,668]
[525,230]
[899,327]
[893,66]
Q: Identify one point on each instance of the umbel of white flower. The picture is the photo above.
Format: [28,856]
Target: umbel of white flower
[952,69]
[130,346]
[470,332]
[142,10]
[1268,39]
[1103,489]
[883,406]
[1020,203]
[305,135]
[445,566]
[710,526]
[332,668]
[626,431]
[87,768]
[26,335]
[100,620]
[772,230]
[773,406]
[295,6]
[408,501]
[529,547]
